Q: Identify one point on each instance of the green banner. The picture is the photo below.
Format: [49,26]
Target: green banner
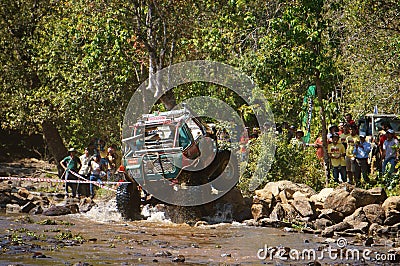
[308,104]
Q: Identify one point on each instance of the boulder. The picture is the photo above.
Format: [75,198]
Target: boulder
[56,211]
[377,229]
[5,198]
[392,217]
[391,203]
[16,198]
[322,223]
[357,217]
[284,212]
[366,197]
[374,213]
[23,192]
[358,228]
[329,231]
[276,187]
[28,207]
[303,206]
[263,202]
[4,188]
[13,208]
[340,200]
[322,195]
[259,211]
[334,216]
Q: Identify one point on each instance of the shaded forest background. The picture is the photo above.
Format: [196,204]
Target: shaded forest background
[68,68]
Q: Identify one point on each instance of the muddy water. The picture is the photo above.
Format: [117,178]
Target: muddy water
[100,237]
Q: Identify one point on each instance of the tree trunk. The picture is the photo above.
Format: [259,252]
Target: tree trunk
[323,123]
[54,143]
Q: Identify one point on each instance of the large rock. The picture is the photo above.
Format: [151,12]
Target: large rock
[321,196]
[23,192]
[340,200]
[392,217]
[5,198]
[366,197]
[284,212]
[329,231]
[322,223]
[303,206]
[390,204]
[13,208]
[276,187]
[263,203]
[358,221]
[332,215]
[59,210]
[374,213]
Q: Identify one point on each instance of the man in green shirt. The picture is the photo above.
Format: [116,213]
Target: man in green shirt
[71,163]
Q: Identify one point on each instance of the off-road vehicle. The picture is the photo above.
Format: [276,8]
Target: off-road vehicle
[167,151]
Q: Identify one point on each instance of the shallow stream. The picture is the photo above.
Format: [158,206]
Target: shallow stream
[100,237]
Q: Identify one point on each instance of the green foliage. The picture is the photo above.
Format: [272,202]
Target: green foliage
[290,163]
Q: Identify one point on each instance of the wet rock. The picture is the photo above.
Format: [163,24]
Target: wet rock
[23,192]
[200,223]
[358,228]
[73,207]
[329,231]
[16,198]
[250,222]
[4,188]
[390,204]
[28,207]
[226,255]
[86,204]
[13,208]
[5,198]
[179,258]
[164,253]
[374,213]
[268,222]
[56,211]
[366,197]
[334,216]
[392,217]
[340,200]
[369,241]
[282,197]
[303,206]
[322,223]
[377,229]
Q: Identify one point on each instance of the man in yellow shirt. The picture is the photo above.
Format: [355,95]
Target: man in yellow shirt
[337,154]
[350,158]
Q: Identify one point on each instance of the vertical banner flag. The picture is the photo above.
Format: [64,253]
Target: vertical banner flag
[308,104]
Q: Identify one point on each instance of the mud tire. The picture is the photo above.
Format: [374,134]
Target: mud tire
[128,201]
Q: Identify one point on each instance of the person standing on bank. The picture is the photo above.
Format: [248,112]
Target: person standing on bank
[84,171]
[361,152]
[95,169]
[337,154]
[389,152]
[71,163]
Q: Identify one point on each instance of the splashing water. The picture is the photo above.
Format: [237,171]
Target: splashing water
[154,214]
[104,212]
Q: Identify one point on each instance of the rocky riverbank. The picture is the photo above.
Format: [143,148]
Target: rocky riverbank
[344,211]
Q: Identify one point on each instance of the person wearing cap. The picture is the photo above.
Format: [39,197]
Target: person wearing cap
[361,152]
[350,158]
[71,163]
[337,153]
[389,152]
[332,129]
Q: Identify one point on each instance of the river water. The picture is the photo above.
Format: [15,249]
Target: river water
[100,237]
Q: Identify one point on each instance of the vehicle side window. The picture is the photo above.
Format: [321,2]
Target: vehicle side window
[184,138]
